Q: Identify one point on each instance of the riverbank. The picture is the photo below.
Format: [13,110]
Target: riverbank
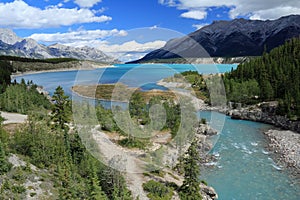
[286,147]
[265,113]
[136,169]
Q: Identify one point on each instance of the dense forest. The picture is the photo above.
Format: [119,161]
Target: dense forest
[32,60]
[5,72]
[273,76]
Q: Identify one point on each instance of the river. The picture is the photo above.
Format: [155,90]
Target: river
[244,169]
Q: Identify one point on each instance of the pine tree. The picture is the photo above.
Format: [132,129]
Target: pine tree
[61,110]
[190,189]
[96,190]
[61,113]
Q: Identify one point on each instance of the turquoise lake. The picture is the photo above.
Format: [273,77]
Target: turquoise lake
[244,170]
[144,76]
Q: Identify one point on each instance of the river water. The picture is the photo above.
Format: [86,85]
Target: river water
[244,170]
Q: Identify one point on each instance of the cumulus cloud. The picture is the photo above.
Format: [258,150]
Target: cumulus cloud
[194,14]
[77,38]
[130,50]
[132,46]
[87,3]
[18,14]
[254,9]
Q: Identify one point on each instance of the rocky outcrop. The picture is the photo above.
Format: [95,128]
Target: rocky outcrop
[265,113]
[208,193]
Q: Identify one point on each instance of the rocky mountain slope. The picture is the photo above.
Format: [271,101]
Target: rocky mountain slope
[12,45]
[238,37]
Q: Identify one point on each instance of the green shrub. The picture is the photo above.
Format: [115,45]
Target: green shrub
[133,143]
[32,194]
[203,121]
[18,189]
[157,190]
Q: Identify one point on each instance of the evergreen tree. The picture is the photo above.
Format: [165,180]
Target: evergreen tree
[96,190]
[61,110]
[4,164]
[61,113]
[190,189]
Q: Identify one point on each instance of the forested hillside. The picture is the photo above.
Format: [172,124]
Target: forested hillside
[50,161]
[5,72]
[273,76]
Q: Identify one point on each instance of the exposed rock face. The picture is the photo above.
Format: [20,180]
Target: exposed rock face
[82,53]
[238,37]
[8,36]
[208,193]
[266,114]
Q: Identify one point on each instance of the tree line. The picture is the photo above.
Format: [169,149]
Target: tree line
[273,76]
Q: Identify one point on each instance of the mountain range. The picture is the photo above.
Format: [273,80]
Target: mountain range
[235,38]
[12,45]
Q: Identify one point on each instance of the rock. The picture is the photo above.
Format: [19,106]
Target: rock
[208,192]
[17,162]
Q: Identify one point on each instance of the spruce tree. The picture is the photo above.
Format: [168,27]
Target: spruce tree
[61,110]
[190,189]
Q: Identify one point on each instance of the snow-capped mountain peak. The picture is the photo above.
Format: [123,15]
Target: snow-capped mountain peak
[13,45]
[8,36]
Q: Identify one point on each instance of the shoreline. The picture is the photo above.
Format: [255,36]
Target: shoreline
[18,74]
[285,147]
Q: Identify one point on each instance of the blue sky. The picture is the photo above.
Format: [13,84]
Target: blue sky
[127,27]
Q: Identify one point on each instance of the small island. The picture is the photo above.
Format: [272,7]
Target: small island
[119,92]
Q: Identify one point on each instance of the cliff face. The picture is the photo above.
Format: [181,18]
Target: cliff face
[238,37]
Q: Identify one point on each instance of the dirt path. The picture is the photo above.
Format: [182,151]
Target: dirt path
[13,118]
[123,160]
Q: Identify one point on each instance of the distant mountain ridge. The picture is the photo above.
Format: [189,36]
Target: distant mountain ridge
[12,45]
[238,37]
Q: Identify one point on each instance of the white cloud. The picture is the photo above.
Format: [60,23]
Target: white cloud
[77,38]
[194,14]
[153,27]
[19,14]
[87,3]
[130,50]
[254,9]
[198,26]
[273,13]
[127,51]
[132,46]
